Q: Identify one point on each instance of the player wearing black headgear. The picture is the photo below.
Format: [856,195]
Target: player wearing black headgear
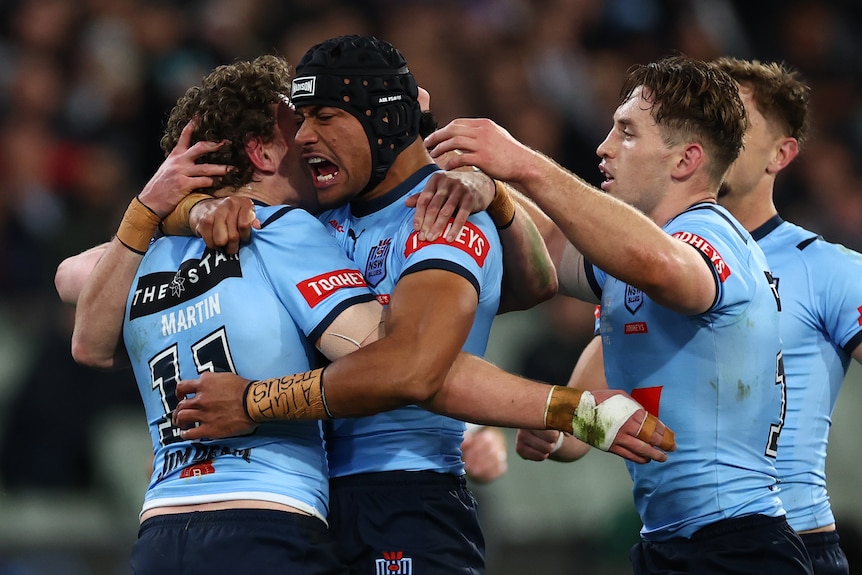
[360,138]
[368,78]
[391,474]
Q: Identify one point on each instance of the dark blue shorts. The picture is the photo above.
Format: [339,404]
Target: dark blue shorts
[826,554]
[405,522]
[751,545]
[232,541]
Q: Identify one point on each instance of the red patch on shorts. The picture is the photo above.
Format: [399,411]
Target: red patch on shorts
[649,397]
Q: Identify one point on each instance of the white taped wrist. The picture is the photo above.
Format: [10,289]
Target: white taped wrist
[598,425]
[472,428]
[558,444]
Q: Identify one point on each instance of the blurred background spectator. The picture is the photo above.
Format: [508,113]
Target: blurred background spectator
[85,87]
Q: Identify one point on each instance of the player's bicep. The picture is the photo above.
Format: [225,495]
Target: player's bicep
[433,309]
[356,326]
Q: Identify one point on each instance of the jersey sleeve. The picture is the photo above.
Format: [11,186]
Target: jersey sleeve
[308,269]
[727,249]
[467,256]
[596,278]
[841,299]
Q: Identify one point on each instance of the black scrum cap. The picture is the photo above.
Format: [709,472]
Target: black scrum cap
[368,78]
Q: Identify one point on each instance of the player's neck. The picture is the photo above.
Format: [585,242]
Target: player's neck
[269,192]
[678,199]
[752,210]
[408,162]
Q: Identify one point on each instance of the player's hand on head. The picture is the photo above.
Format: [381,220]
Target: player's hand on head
[536,444]
[212,406]
[224,222]
[482,144]
[180,173]
[449,197]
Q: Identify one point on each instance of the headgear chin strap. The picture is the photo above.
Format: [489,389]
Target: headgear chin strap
[369,79]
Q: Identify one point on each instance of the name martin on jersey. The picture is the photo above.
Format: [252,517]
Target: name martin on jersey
[160,291]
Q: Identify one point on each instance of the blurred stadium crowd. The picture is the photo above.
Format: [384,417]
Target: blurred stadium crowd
[85,87]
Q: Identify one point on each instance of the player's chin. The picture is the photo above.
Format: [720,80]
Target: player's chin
[333,196]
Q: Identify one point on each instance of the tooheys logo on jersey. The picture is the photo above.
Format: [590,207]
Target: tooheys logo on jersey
[721,268]
[471,241]
[318,288]
[159,291]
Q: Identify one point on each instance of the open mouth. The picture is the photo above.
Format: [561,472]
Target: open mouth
[609,179]
[323,171]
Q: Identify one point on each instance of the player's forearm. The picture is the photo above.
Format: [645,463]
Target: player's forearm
[585,216]
[589,371]
[379,377]
[619,239]
[97,337]
[477,391]
[529,274]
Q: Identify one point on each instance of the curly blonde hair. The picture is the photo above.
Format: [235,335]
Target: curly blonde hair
[233,103]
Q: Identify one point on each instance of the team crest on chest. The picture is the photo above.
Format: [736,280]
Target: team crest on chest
[375,266]
[634,299]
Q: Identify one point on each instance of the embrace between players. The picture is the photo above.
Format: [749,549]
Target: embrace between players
[403,338]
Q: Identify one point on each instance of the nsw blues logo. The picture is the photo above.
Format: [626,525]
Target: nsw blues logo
[375,266]
[394,563]
[634,299]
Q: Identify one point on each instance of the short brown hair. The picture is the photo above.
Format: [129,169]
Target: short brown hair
[781,96]
[693,101]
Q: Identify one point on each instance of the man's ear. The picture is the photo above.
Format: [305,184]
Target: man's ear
[258,153]
[785,152]
[688,162]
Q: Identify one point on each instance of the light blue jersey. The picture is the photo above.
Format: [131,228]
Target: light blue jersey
[257,313]
[379,237]
[712,378]
[821,324]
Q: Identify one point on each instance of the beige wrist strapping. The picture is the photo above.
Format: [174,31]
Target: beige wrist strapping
[293,397]
[502,207]
[177,222]
[138,226]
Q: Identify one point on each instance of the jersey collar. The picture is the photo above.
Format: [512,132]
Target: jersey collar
[763,230]
[364,208]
